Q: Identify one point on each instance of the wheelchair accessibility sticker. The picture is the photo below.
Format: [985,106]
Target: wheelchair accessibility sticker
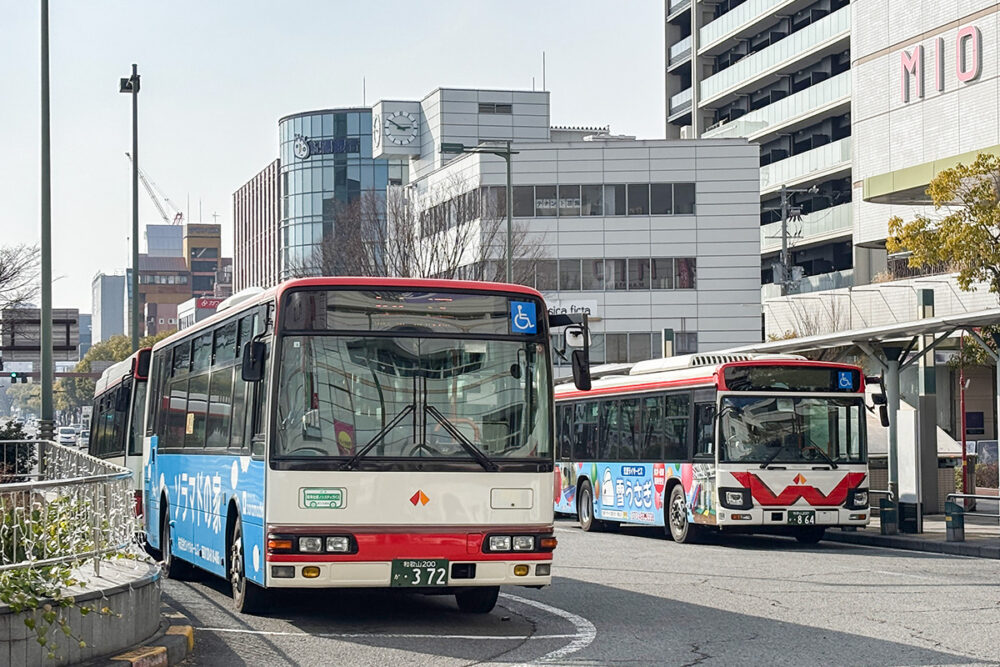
[845,380]
[522,317]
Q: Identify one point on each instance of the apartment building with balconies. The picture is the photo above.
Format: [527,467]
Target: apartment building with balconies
[776,72]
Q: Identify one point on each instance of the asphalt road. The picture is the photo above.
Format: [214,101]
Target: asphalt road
[632,597]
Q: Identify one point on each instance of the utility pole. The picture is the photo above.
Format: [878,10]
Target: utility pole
[46,426]
[131,86]
[786,269]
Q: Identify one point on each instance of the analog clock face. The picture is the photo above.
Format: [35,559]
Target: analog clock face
[401,127]
[377,130]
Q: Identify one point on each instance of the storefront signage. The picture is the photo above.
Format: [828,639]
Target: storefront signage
[304,147]
[207,302]
[572,307]
[968,62]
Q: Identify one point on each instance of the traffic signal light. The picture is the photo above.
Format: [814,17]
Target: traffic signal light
[15,377]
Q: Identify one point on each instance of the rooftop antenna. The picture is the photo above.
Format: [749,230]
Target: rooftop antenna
[532,84]
[215,218]
[543,70]
[364,92]
[199,211]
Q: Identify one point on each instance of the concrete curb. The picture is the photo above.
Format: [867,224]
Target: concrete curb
[173,642]
[915,544]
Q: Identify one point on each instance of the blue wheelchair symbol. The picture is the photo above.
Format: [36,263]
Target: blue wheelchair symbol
[845,380]
[522,317]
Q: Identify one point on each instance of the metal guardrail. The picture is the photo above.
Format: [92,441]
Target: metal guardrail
[955,514]
[61,505]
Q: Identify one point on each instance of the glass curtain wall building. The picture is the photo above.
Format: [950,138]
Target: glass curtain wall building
[326,166]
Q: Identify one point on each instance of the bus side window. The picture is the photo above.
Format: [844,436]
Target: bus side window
[704,430]
[628,429]
[585,427]
[564,431]
[608,439]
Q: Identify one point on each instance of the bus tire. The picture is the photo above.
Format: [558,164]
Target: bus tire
[480,600]
[679,528]
[173,567]
[248,597]
[810,535]
[585,509]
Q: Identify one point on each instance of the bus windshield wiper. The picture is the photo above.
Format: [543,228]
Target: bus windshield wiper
[467,444]
[826,456]
[353,461]
[770,459]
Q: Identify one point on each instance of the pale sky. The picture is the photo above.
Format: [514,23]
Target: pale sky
[217,75]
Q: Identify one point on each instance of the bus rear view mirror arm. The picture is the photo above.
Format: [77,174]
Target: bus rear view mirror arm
[253,361]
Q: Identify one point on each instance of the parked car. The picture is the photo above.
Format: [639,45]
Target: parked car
[66,435]
[83,439]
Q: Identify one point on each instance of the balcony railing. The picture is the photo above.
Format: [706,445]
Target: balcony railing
[742,15]
[813,226]
[820,283]
[828,158]
[823,94]
[680,50]
[680,102]
[677,5]
[781,53]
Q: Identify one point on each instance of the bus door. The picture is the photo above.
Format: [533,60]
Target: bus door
[701,495]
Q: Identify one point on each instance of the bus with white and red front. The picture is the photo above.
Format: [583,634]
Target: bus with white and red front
[358,432]
[732,443]
[116,432]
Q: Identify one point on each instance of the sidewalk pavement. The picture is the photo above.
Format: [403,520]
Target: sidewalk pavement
[982,537]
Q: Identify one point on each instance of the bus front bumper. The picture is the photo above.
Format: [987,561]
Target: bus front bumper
[378,574]
[793,517]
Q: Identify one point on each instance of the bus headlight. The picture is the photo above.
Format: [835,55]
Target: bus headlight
[499,542]
[735,499]
[338,544]
[860,498]
[524,543]
[857,499]
[310,544]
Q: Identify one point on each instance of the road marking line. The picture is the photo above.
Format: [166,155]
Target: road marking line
[390,635]
[585,630]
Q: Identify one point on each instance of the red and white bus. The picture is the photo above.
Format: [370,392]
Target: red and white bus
[738,443]
[116,425]
[358,432]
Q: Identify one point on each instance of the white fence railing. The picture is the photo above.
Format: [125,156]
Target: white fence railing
[60,505]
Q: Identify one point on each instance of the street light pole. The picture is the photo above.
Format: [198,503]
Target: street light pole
[46,426]
[510,205]
[131,86]
[505,153]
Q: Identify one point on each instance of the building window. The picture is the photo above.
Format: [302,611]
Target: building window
[638,273]
[591,200]
[546,275]
[684,275]
[662,274]
[569,200]
[569,274]
[616,274]
[638,199]
[686,342]
[683,198]
[545,201]
[661,199]
[614,200]
[524,201]
[593,274]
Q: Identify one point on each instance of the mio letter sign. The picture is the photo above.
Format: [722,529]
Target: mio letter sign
[968,59]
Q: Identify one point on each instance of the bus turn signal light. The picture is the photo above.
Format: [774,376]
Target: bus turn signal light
[548,543]
[520,570]
[279,544]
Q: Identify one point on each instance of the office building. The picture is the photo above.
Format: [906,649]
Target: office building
[165,240]
[256,220]
[86,333]
[657,240]
[107,306]
[20,335]
[202,251]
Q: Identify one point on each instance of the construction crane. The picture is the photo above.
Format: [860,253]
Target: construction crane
[156,194]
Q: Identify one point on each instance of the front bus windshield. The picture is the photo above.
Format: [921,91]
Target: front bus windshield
[788,429]
[413,384]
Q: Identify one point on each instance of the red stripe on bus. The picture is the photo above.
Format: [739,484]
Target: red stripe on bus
[646,386]
[388,546]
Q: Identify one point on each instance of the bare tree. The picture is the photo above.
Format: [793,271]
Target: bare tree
[18,275]
[449,231]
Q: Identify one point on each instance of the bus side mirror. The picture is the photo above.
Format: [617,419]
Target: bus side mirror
[883,415]
[879,399]
[253,361]
[577,337]
[121,401]
[581,370]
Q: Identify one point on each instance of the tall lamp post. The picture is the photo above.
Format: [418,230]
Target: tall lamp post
[46,426]
[130,85]
[505,153]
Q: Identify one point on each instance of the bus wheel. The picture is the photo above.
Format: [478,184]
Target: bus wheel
[173,567]
[248,597]
[680,528]
[477,600]
[810,535]
[585,509]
